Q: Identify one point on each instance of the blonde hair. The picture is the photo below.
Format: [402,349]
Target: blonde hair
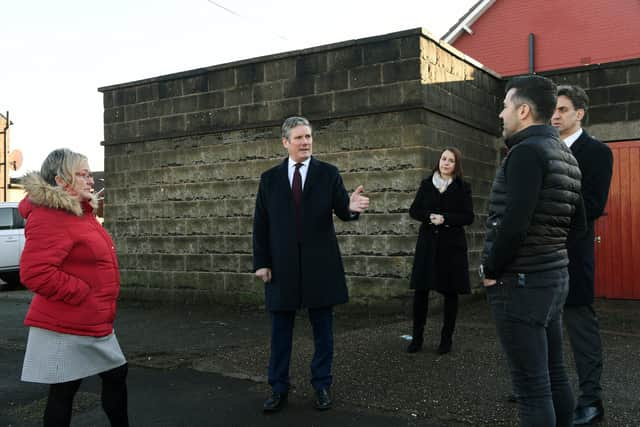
[63,163]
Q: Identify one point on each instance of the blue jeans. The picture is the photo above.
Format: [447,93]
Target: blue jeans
[528,312]
[282,323]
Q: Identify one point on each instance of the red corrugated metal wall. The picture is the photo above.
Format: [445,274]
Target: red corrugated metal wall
[618,233]
[567,34]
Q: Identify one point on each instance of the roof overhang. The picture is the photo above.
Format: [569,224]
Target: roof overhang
[464,24]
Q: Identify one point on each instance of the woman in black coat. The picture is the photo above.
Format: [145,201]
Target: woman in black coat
[443,205]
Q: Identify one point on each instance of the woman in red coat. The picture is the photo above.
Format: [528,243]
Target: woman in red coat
[444,206]
[69,262]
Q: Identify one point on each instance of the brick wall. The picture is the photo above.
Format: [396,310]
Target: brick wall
[596,32]
[184,152]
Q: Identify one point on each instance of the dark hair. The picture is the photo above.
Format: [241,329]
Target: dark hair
[457,170]
[576,95]
[292,122]
[536,91]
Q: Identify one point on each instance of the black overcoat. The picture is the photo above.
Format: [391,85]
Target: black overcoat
[308,273]
[596,165]
[440,260]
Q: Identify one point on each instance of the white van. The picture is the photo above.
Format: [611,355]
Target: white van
[11,243]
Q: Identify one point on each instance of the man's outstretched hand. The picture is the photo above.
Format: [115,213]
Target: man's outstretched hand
[358,203]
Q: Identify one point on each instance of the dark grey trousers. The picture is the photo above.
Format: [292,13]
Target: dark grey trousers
[528,312]
[584,335]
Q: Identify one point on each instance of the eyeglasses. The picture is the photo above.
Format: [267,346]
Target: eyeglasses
[84,175]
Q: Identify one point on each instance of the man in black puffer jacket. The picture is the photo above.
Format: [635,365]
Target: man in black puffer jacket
[534,207]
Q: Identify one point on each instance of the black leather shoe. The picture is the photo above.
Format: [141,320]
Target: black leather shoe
[444,347]
[588,414]
[323,399]
[414,346]
[275,402]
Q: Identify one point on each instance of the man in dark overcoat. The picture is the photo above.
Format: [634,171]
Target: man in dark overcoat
[296,255]
[596,164]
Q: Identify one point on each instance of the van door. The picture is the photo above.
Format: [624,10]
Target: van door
[10,240]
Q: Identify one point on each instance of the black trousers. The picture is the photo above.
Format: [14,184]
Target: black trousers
[114,399]
[584,335]
[420,309]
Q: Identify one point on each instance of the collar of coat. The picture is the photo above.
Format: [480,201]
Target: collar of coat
[579,143]
[43,194]
[311,173]
[545,131]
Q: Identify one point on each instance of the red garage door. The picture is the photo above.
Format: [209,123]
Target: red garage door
[617,247]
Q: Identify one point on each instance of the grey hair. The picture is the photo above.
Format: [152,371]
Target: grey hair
[292,122]
[63,163]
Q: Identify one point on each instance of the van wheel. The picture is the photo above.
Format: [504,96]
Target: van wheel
[11,279]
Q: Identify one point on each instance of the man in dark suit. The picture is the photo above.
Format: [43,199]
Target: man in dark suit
[596,165]
[296,255]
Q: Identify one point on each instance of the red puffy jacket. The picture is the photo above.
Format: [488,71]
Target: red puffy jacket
[69,262]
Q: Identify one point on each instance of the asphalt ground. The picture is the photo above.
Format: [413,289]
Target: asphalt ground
[206,366]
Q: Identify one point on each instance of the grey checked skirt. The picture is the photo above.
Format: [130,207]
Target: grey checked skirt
[53,357]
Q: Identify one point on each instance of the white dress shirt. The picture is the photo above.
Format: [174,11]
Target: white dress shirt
[303,170]
[573,137]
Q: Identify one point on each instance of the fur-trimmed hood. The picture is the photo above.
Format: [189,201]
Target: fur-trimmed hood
[39,192]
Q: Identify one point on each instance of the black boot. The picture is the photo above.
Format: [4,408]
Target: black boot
[449,324]
[416,342]
[445,344]
[419,319]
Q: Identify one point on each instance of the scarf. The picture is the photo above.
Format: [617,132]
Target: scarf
[440,183]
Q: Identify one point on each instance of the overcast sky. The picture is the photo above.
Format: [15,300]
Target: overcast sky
[55,54]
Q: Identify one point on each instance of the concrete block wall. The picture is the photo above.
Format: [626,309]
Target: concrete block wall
[184,152]
[614,94]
